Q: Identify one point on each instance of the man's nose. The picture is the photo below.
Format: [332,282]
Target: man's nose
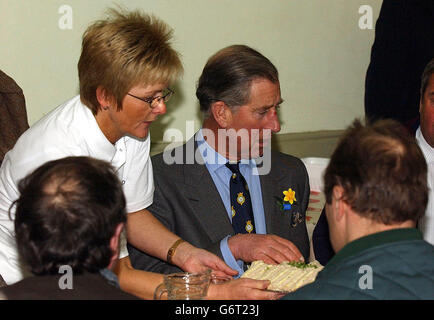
[273,121]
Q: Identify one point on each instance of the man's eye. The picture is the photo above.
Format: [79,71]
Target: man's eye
[263,112]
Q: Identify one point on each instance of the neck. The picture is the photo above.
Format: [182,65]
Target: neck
[220,143]
[359,227]
[107,128]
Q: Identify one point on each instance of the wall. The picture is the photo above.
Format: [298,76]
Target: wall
[317,45]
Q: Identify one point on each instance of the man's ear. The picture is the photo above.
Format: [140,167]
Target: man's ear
[221,113]
[114,243]
[340,206]
[105,99]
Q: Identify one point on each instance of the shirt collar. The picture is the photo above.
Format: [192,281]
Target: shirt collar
[99,146]
[215,160]
[376,239]
[427,150]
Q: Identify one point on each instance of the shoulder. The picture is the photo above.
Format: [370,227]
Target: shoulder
[286,165]
[86,286]
[60,127]
[420,252]
[95,286]
[174,160]
[284,159]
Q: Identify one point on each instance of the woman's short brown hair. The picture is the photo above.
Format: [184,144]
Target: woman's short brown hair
[382,171]
[124,50]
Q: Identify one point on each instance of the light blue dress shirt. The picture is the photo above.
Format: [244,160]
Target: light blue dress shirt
[220,174]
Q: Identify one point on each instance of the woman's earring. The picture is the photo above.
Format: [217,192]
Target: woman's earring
[105,108]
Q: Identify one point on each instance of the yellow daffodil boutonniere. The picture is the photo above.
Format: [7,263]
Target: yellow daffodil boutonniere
[287,201]
[289,196]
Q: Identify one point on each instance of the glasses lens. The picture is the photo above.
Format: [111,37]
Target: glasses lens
[165,96]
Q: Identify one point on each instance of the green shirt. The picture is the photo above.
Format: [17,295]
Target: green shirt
[394,264]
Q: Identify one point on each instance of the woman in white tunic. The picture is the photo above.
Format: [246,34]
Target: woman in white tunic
[125,67]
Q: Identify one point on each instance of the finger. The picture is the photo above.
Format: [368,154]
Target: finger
[222,269]
[276,256]
[278,295]
[289,249]
[275,252]
[266,295]
[258,289]
[269,260]
[219,278]
[273,256]
[253,284]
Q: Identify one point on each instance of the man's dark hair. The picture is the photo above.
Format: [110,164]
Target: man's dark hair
[66,214]
[427,72]
[228,75]
[382,171]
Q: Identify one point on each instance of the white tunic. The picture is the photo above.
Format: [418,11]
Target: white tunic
[426,224]
[69,130]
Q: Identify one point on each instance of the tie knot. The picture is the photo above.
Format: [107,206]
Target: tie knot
[234,167]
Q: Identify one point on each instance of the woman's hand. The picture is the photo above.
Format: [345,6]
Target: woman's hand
[195,260]
[242,289]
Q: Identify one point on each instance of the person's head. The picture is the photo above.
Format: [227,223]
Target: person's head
[239,89]
[378,172]
[426,106]
[70,211]
[127,53]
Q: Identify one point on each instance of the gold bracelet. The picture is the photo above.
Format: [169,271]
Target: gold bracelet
[172,250]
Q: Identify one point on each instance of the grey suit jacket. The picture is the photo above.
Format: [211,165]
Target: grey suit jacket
[187,202]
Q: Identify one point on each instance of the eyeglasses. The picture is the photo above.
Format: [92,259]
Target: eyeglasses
[155,101]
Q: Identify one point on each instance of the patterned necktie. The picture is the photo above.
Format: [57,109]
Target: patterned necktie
[241,204]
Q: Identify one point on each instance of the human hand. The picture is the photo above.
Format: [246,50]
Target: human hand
[192,259]
[269,248]
[242,289]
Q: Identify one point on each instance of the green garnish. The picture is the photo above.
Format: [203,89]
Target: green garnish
[301,265]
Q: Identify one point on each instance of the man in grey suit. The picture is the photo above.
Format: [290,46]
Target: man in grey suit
[239,94]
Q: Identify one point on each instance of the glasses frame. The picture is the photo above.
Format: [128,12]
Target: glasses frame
[151,100]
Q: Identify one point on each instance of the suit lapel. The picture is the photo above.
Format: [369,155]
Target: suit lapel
[204,199]
[276,221]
